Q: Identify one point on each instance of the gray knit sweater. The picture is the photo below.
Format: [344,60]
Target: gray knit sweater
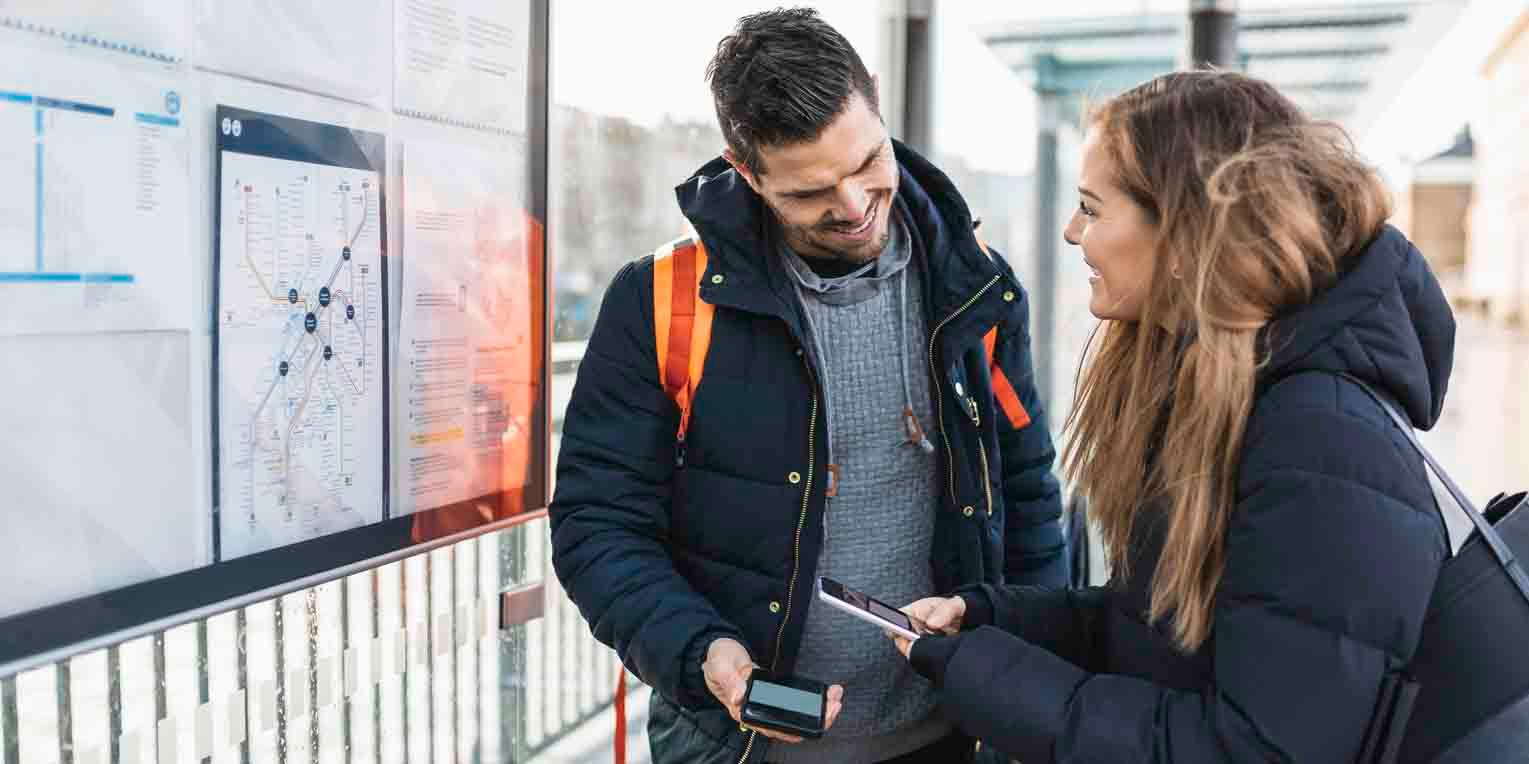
[868,340]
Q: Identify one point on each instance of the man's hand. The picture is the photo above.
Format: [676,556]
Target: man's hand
[942,615]
[727,669]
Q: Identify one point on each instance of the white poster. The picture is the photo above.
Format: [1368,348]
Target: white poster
[101,487]
[93,229]
[466,380]
[331,48]
[153,28]
[463,61]
[301,327]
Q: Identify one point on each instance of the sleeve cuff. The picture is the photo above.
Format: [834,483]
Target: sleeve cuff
[979,607]
[693,691]
[931,654]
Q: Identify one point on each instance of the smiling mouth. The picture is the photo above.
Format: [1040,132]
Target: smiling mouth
[863,228]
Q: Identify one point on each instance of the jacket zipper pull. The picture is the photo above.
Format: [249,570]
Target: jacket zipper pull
[679,451]
[969,403]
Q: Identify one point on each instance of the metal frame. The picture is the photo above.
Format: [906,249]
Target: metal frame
[1171,26]
[539,135]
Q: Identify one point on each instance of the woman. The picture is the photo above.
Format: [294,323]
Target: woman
[1272,538]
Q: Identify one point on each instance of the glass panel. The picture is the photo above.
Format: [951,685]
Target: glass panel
[439,575]
[390,661]
[90,708]
[464,642]
[623,137]
[140,704]
[417,678]
[37,695]
[359,668]
[329,656]
[493,714]
[226,699]
[205,245]
[177,727]
[260,645]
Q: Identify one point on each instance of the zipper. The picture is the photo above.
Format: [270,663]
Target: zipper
[987,488]
[934,371]
[796,551]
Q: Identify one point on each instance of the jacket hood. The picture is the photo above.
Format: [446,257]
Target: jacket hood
[1386,322]
[739,230]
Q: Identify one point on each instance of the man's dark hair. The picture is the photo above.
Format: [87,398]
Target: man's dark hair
[780,78]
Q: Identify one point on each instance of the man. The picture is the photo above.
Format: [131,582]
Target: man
[853,422]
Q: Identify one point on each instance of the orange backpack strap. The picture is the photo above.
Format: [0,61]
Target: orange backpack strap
[1003,390]
[681,322]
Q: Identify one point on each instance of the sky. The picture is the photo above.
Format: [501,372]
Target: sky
[647,61]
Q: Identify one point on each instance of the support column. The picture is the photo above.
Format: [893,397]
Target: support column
[1043,288]
[1212,35]
[918,77]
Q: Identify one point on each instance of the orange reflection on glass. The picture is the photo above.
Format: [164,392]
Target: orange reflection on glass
[505,377]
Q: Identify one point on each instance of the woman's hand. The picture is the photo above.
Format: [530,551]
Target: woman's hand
[941,615]
[938,615]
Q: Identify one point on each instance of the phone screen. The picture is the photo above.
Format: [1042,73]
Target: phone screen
[869,604]
[895,616]
[786,698]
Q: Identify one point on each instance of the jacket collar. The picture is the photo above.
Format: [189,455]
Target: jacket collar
[740,235]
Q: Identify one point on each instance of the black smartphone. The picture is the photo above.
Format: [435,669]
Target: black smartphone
[791,705]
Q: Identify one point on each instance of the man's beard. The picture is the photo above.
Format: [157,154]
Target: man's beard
[813,240]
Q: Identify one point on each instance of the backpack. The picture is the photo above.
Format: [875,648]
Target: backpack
[1464,697]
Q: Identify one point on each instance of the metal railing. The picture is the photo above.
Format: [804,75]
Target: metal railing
[406,661]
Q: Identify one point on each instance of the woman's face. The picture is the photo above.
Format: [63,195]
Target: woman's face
[1115,234]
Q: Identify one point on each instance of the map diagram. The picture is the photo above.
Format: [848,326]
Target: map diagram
[301,335]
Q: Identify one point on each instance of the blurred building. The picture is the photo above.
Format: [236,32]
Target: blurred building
[1433,208]
[1497,273]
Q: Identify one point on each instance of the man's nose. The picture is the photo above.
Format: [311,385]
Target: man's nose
[852,201]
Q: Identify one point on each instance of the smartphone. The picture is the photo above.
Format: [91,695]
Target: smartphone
[869,609]
[791,705]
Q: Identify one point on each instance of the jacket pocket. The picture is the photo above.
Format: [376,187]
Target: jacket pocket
[681,736]
[742,522]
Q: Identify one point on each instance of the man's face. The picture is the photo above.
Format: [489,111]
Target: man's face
[833,196]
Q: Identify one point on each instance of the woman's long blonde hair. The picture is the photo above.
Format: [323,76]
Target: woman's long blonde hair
[1255,207]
